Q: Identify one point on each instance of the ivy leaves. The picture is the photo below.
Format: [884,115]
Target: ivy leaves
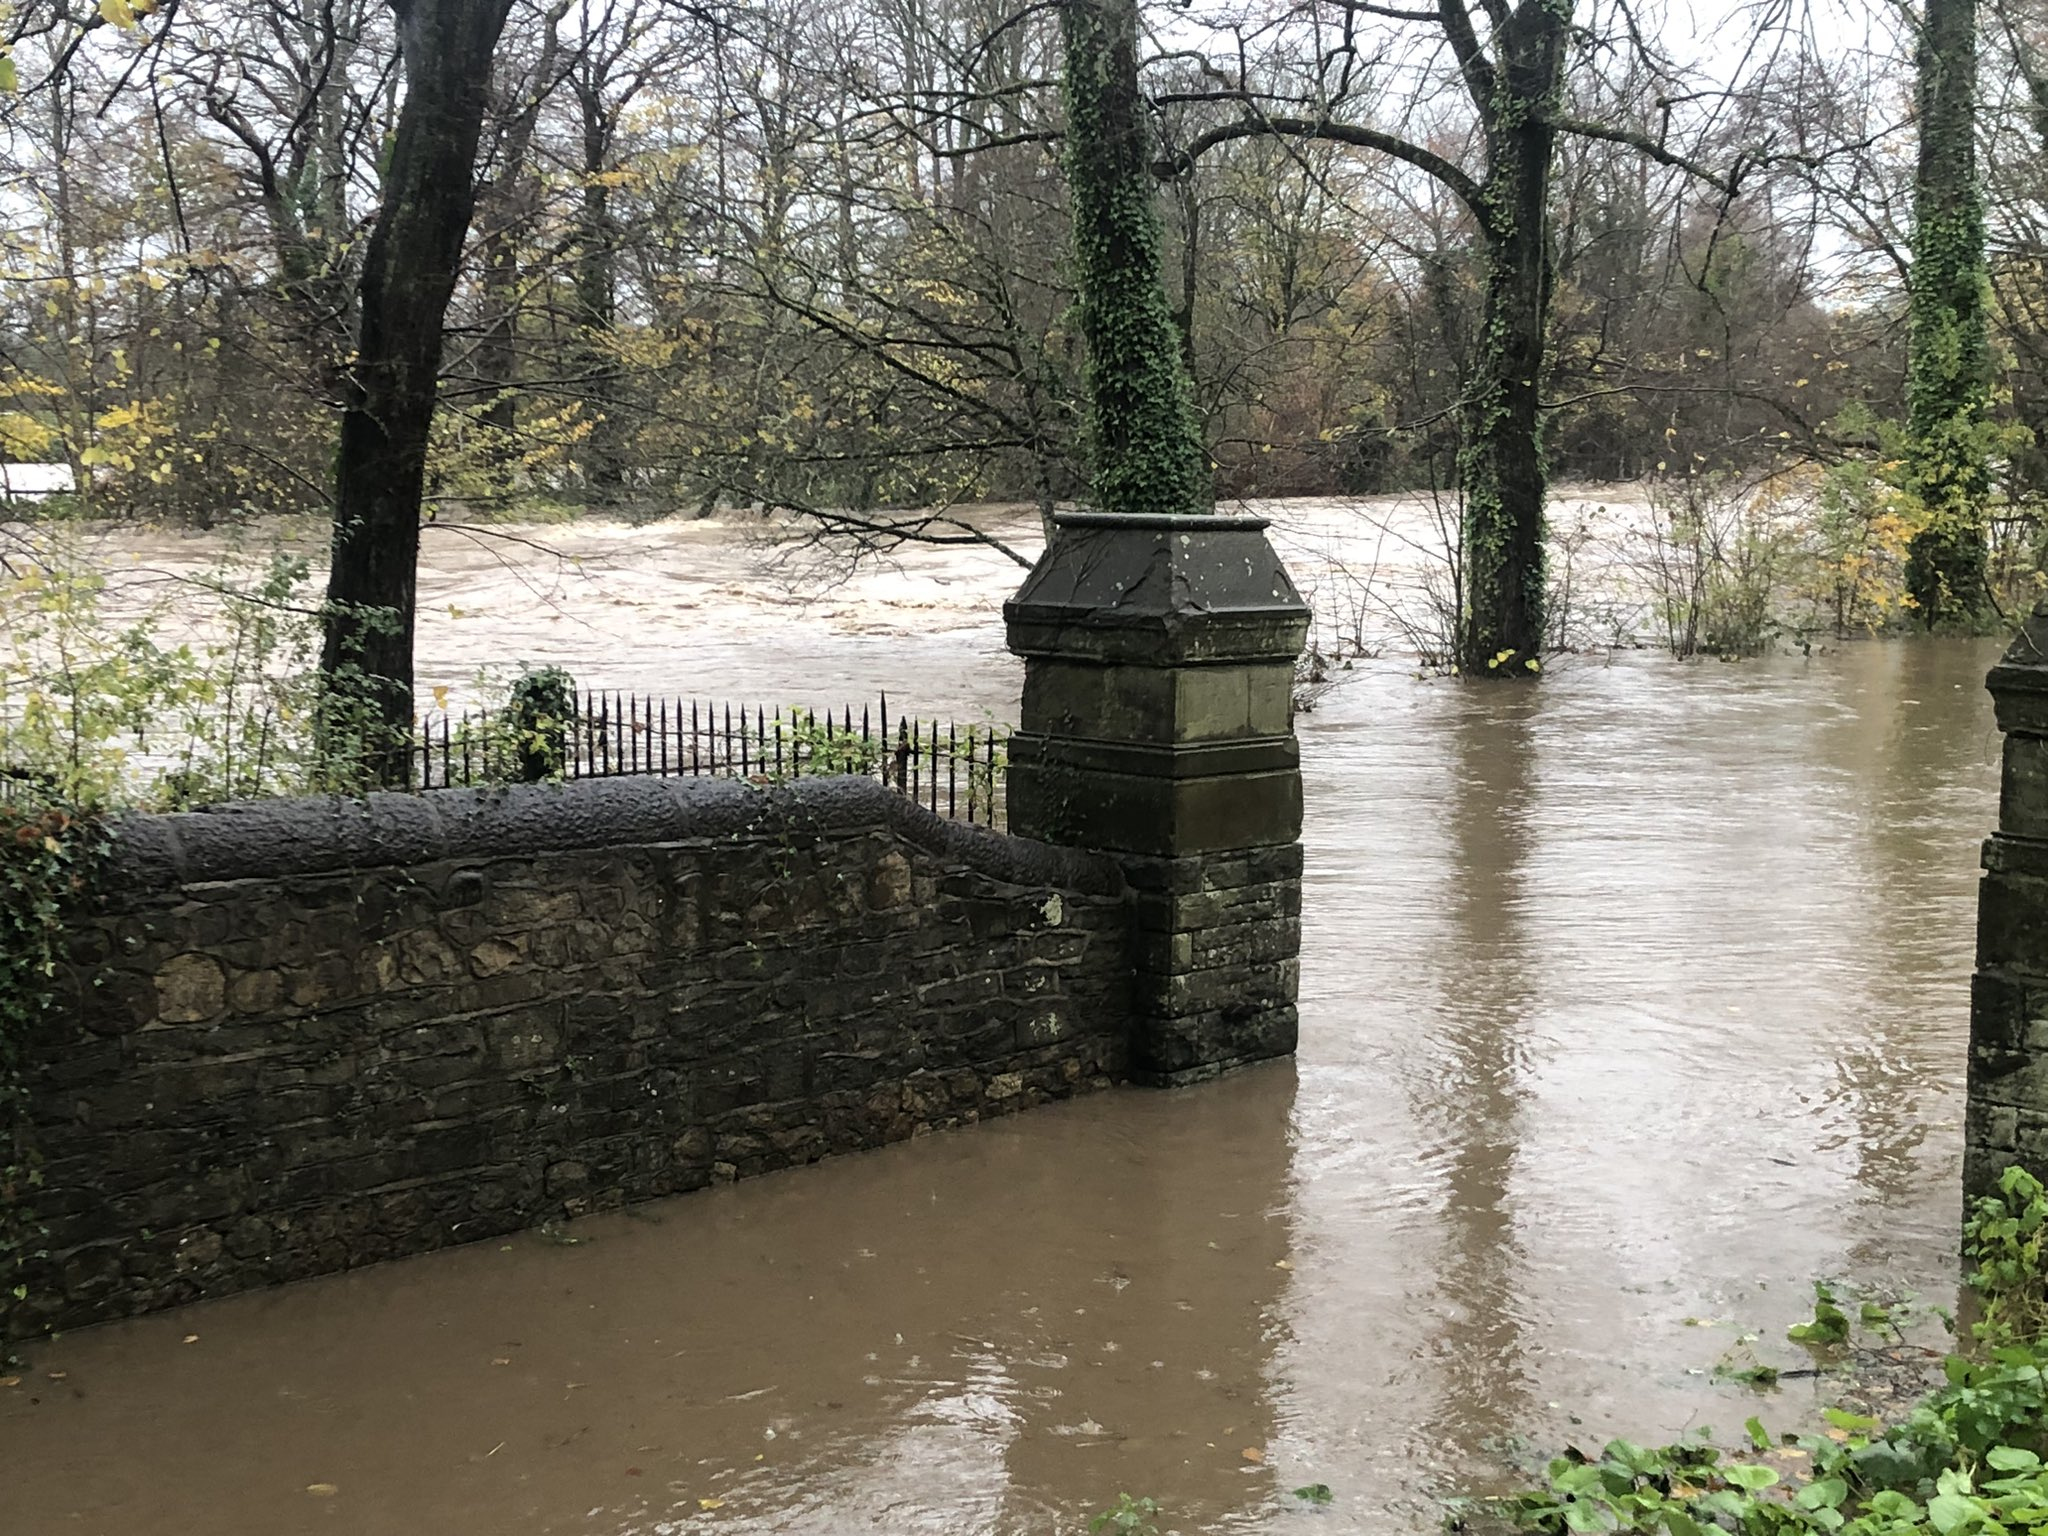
[46,854]
[1146,437]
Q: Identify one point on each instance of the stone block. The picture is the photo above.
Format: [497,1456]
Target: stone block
[1213,703]
[322,983]
[113,1002]
[260,992]
[495,956]
[889,884]
[1189,705]
[1162,816]
[2023,787]
[190,989]
[519,906]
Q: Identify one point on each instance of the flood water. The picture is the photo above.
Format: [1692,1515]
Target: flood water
[1632,1003]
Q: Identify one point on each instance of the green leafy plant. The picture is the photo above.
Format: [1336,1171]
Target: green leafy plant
[540,708]
[2003,1243]
[1128,1517]
[819,746]
[1829,1324]
[1966,1461]
[1861,530]
[1715,554]
[98,707]
[47,852]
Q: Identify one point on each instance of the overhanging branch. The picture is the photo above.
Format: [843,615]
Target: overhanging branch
[1725,183]
[1259,125]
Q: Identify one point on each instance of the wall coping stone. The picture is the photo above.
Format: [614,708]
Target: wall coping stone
[1196,522]
[321,834]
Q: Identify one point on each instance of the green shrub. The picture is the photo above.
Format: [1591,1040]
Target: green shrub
[1967,1461]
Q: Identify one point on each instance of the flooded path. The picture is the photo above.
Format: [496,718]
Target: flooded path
[1632,1003]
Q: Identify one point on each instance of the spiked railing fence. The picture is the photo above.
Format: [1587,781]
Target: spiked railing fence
[955,771]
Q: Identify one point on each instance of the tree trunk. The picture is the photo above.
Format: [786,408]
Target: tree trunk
[409,272]
[497,355]
[1144,434]
[596,300]
[1949,360]
[509,204]
[1500,463]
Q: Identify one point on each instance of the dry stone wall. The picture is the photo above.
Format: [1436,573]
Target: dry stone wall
[307,1035]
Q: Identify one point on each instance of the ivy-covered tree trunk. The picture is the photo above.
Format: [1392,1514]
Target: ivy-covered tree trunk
[1949,358]
[409,271]
[1143,434]
[1500,461]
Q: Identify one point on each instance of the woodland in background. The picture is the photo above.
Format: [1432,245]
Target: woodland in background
[814,256]
[834,265]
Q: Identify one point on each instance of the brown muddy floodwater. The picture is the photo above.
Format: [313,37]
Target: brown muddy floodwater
[1632,1003]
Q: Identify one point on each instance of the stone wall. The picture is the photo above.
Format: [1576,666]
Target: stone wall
[307,1035]
[2006,1116]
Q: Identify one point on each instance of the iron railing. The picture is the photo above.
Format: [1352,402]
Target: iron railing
[951,770]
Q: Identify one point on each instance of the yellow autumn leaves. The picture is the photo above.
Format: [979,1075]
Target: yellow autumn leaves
[125,13]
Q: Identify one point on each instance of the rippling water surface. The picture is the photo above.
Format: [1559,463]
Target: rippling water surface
[1632,1002]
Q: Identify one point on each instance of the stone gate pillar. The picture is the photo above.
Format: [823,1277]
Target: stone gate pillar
[2006,1120]
[1158,727]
